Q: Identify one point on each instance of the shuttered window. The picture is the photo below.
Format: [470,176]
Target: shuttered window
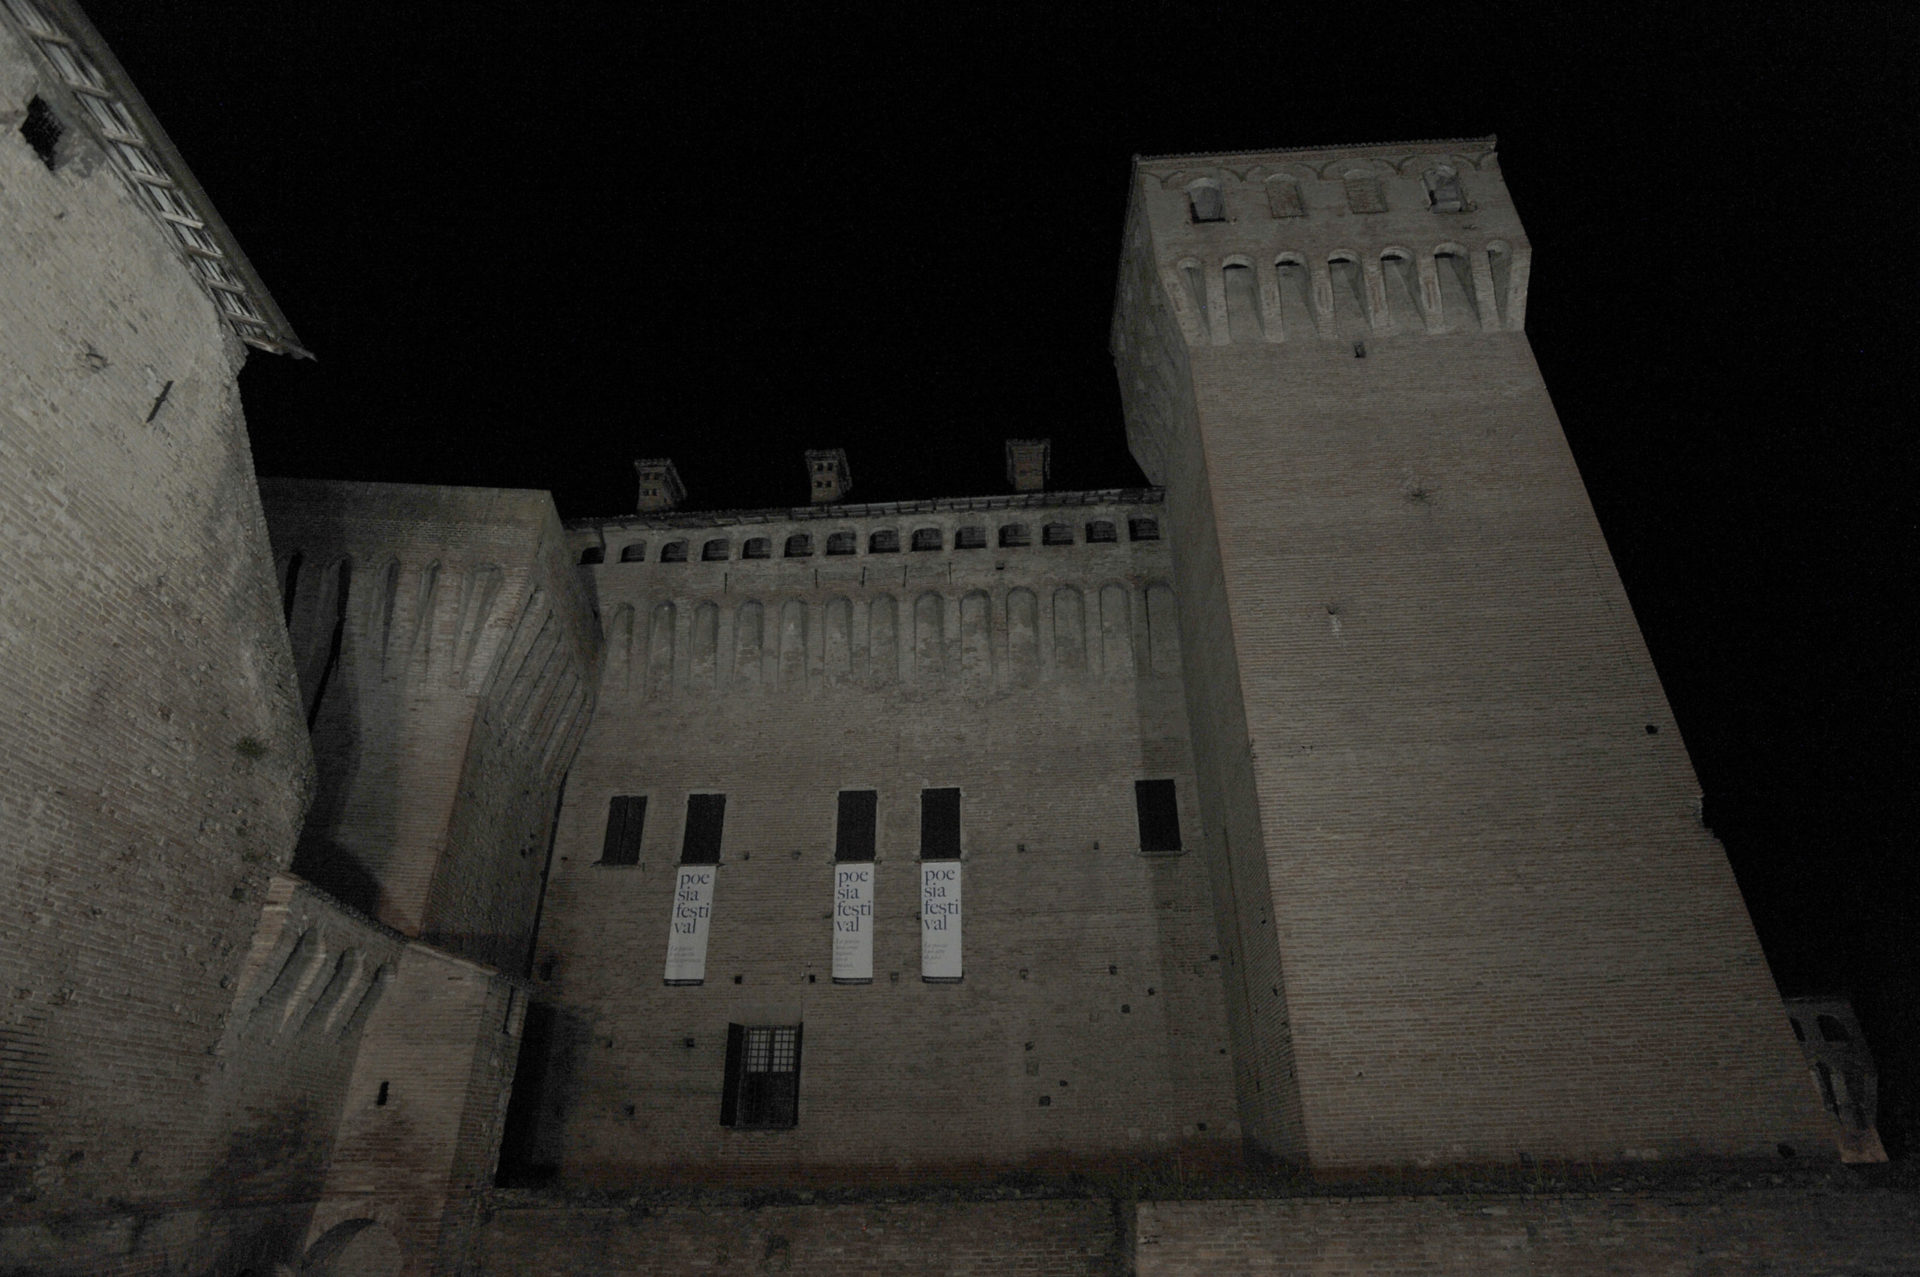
[853,837]
[626,819]
[939,824]
[706,814]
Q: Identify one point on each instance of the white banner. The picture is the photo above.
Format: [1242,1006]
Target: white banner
[940,920]
[853,923]
[692,911]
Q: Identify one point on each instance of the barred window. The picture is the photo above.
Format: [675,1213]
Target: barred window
[762,1090]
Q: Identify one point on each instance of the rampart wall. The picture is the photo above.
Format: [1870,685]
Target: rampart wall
[1732,1230]
[1040,681]
[1739,1231]
[447,659]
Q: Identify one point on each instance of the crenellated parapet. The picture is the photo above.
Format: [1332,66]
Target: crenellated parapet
[1331,245]
[977,597]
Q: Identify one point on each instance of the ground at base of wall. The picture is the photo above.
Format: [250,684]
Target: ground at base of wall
[1735,1218]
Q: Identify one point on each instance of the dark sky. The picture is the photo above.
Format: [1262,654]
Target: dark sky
[529,244]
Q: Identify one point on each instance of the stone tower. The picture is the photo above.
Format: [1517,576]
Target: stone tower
[1454,837]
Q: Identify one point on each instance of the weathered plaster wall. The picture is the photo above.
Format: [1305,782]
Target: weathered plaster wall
[1499,924]
[447,659]
[1040,681]
[152,763]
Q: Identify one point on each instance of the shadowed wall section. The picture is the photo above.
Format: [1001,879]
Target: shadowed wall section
[448,661]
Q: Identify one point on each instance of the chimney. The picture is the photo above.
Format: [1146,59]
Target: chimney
[660,486]
[828,477]
[1027,463]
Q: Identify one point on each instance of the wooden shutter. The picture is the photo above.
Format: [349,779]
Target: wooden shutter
[730,1092]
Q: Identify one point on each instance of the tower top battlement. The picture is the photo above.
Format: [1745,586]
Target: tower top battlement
[1334,243]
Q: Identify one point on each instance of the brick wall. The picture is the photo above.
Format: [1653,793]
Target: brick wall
[1089,1021]
[1498,923]
[152,762]
[447,660]
[961,1239]
[420,1124]
[1745,1231]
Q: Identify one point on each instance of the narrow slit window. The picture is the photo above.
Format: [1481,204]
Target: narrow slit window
[939,824]
[762,1087]
[853,838]
[1159,812]
[626,820]
[706,815]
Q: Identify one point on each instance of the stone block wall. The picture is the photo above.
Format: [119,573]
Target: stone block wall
[1038,680]
[153,766]
[1498,925]
[448,658]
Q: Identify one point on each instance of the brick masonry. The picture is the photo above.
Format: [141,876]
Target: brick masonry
[1752,1231]
[448,662]
[1039,680]
[154,767]
[964,1239]
[1442,894]
[1455,830]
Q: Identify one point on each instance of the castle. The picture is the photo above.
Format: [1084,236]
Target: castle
[1318,804]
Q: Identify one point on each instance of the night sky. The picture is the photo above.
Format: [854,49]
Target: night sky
[529,244]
